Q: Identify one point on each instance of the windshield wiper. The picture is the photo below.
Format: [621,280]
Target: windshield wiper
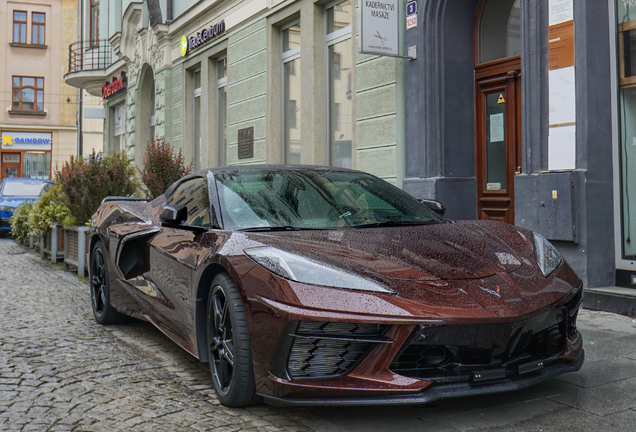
[394,224]
[276,228]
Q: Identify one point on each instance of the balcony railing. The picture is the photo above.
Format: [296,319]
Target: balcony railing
[89,55]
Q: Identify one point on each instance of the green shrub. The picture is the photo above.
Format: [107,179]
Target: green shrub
[162,167]
[20,221]
[86,181]
[52,207]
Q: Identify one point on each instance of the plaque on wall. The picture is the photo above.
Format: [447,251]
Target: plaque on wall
[246,143]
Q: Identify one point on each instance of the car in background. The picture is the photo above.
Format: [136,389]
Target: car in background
[15,191]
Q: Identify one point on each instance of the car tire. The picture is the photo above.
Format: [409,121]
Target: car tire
[103,312]
[228,345]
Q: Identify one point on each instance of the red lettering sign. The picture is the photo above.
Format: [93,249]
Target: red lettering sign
[115,86]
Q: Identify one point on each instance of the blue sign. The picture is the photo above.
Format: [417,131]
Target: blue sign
[411,8]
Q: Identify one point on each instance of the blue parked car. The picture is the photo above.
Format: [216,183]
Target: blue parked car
[15,191]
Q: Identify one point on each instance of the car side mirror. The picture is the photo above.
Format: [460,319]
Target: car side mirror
[173,215]
[436,206]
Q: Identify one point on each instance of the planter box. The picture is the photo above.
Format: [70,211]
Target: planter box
[52,244]
[75,242]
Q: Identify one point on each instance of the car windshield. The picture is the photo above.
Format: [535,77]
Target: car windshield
[25,188]
[315,200]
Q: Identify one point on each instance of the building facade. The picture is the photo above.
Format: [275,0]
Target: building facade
[245,82]
[39,122]
[520,111]
[514,110]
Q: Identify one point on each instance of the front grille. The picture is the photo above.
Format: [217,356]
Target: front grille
[339,329]
[322,349]
[457,353]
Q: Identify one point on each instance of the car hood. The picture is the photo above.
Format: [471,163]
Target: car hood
[15,201]
[458,251]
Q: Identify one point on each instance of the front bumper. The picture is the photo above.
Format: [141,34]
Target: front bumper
[443,391]
[5,223]
[406,363]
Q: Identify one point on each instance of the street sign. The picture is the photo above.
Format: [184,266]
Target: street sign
[411,15]
[411,8]
[411,22]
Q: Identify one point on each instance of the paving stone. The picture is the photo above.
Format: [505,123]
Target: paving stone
[61,371]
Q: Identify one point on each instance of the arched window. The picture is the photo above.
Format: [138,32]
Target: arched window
[499,30]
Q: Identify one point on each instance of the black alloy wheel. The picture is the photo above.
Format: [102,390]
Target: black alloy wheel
[228,340]
[100,291]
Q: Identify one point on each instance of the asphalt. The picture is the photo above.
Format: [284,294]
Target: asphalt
[60,371]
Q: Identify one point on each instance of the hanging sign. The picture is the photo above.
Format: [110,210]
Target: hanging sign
[379,27]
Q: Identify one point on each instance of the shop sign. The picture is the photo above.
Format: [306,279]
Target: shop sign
[117,85]
[26,141]
[379,27]
[191,43]
[120,120]
[11,158]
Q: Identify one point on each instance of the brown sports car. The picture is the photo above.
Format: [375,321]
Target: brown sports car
[316,285]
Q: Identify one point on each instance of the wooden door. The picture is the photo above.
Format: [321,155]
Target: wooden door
[11,165]
[498,135]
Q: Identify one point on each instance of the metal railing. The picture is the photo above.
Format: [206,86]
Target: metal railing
[89,55]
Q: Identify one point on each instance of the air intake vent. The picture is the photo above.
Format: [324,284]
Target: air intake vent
[323,349]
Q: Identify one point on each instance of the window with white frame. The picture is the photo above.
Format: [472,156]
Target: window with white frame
[340,66]
[221,109]
[291,92]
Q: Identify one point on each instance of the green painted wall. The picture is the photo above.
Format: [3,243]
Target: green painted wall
[175,96]
[377,116]
[247,89]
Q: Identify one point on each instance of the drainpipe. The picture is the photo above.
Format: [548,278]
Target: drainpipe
[80,120]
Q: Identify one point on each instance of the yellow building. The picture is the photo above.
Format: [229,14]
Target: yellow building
[39,122]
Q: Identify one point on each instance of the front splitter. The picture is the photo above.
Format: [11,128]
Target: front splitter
[444,391]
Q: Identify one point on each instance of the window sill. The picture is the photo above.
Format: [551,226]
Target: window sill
[24,45]
[29,113]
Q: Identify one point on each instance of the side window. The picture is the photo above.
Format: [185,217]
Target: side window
[193,194]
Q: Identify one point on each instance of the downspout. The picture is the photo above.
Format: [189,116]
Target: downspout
[80,119]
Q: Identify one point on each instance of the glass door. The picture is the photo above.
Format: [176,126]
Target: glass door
[498,144]
[11,167]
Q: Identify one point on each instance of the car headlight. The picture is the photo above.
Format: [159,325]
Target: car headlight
[6,209]
[301,269]
[546,254]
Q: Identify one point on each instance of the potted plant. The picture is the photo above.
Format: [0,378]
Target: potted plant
[47,220]
[85,182]
[162,167]
[20,222]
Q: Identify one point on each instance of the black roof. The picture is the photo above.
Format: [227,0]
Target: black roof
[270,167]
